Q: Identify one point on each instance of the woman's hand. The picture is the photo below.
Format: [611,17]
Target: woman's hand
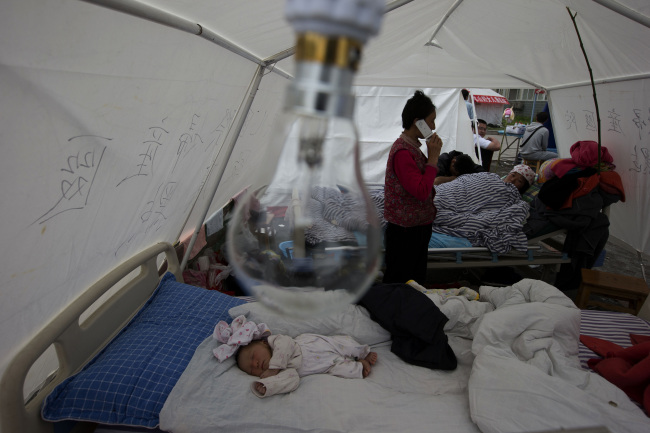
[270,372]
[434,145]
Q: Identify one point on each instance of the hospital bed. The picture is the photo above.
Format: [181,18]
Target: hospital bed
[500,384]
[543,251]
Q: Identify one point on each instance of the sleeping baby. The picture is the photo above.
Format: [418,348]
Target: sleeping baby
[280,361]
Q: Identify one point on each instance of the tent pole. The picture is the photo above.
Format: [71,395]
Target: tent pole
[601,81]
[549,101]
[476,145]
[532,113]
[625,11]
[591,77]
[159,16]
[396,4]
[451,10]
[242,113]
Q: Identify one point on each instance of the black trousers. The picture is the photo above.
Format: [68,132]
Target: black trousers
[406,253]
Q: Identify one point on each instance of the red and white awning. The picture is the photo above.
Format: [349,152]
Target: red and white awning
[485,99]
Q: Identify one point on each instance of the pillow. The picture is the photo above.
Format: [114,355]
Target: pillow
[531,193]
[354,321]
[127,383]
[546,169]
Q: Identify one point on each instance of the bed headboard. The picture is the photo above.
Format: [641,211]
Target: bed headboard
[76,344]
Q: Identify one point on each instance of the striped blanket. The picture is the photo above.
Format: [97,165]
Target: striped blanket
[611,326]
[336,215]
[484,209]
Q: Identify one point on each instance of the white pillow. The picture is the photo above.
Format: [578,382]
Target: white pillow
[354,321]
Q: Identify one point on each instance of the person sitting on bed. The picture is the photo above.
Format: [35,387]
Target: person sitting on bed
[454,164]
[280,361]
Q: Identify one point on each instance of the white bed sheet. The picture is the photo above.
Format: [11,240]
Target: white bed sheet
[518,371]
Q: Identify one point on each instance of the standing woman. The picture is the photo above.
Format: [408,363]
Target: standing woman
[408,203]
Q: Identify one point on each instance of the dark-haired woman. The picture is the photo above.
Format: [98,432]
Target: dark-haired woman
[408,205]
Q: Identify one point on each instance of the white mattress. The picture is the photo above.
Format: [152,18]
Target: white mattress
[518,372]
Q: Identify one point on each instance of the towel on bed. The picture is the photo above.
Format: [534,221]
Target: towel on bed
[484,209]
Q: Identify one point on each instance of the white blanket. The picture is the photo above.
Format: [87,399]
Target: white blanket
[526,375]
[518,371]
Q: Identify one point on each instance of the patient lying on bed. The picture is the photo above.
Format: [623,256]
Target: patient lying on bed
[484,209]
[280,361]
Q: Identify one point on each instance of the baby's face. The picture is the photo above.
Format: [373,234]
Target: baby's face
[254,358]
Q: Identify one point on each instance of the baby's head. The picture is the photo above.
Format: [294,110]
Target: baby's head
[254,358]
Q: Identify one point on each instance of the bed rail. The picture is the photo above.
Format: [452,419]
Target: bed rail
[540,252]
[76,344]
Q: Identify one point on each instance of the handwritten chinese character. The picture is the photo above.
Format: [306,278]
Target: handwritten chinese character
[570,118]
[639,122]
[614,121]
[154,216]
[223,125]
[80,171]
[152,143]
[590,118]
[641,163]
[187,141]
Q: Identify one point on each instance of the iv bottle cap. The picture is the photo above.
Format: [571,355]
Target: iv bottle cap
[358,19]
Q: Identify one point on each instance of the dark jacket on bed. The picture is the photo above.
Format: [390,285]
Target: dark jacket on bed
[415,323]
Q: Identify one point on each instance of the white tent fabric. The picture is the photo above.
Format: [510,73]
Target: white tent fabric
[114,128]
[378,114]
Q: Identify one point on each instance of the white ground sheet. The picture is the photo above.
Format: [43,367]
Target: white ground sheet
[518,371]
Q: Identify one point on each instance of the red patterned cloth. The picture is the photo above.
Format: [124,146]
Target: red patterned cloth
[583,154]
[629,368]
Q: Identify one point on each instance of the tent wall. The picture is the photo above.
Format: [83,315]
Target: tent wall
[625,128]
[378,115]
[491,113]
[252,161]
[109,127]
